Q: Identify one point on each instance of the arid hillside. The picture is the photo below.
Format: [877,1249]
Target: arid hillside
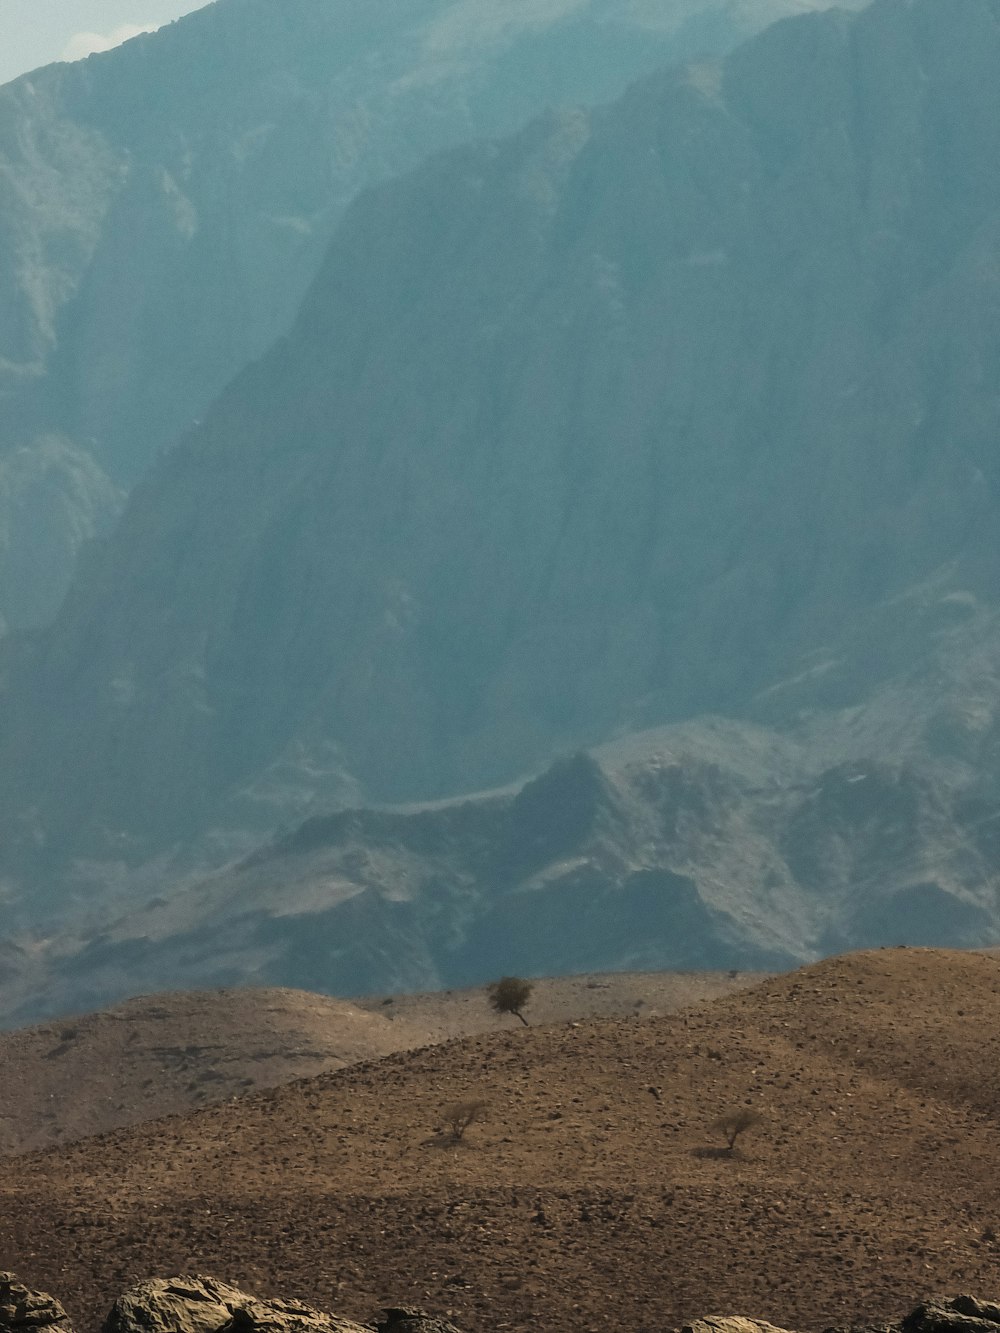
[163,1054]
[596,1193]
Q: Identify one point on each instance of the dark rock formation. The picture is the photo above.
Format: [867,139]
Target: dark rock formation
[963,1314]
[685,854]
[25,1311]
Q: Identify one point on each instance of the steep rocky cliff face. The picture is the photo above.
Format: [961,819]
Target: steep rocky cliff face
[163,207]
[685,405]
[54,498]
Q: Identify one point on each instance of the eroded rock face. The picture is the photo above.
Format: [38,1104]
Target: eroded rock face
[22,1309]
[963,1314]
[205,1305]
[729,1324]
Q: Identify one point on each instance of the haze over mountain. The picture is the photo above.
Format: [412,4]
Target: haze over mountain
[686,404]
[715,845]
[165,205]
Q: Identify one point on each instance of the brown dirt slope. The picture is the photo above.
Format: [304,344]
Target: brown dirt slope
[162,1054]
[464,1013]
[596,1195]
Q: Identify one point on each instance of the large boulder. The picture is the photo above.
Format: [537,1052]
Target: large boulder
[23,1310]
[963,1314]
[205,1305]
[730,1324]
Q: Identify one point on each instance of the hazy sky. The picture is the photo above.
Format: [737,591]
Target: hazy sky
[36,32]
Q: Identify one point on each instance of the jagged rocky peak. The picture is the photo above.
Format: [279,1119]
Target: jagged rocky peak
[557,812]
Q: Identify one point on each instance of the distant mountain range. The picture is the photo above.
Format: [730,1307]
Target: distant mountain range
[680,409]
[165,205]
[712,846]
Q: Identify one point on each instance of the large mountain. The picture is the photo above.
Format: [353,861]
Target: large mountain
[686,405]
[164,206]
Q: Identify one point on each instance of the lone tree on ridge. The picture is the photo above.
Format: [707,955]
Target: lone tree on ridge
[509,995]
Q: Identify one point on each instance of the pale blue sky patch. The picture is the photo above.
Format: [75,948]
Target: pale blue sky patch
[36,32]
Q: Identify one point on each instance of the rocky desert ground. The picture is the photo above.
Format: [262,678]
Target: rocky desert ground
[596,1192]
[163,1054]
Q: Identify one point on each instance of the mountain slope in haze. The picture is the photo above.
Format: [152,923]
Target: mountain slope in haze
[711,846]
[596,1183]
[54,498]
[684,405]
[164,206]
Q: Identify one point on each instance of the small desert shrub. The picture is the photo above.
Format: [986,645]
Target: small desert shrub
[460,1115]
[734,1123]
[509,995]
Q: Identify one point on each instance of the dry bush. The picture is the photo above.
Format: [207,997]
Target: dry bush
[509,995]
[734,1123]
[460,1115]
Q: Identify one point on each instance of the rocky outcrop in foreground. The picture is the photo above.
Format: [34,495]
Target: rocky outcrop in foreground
[205,1305]
[22,1309]
[963,1314]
